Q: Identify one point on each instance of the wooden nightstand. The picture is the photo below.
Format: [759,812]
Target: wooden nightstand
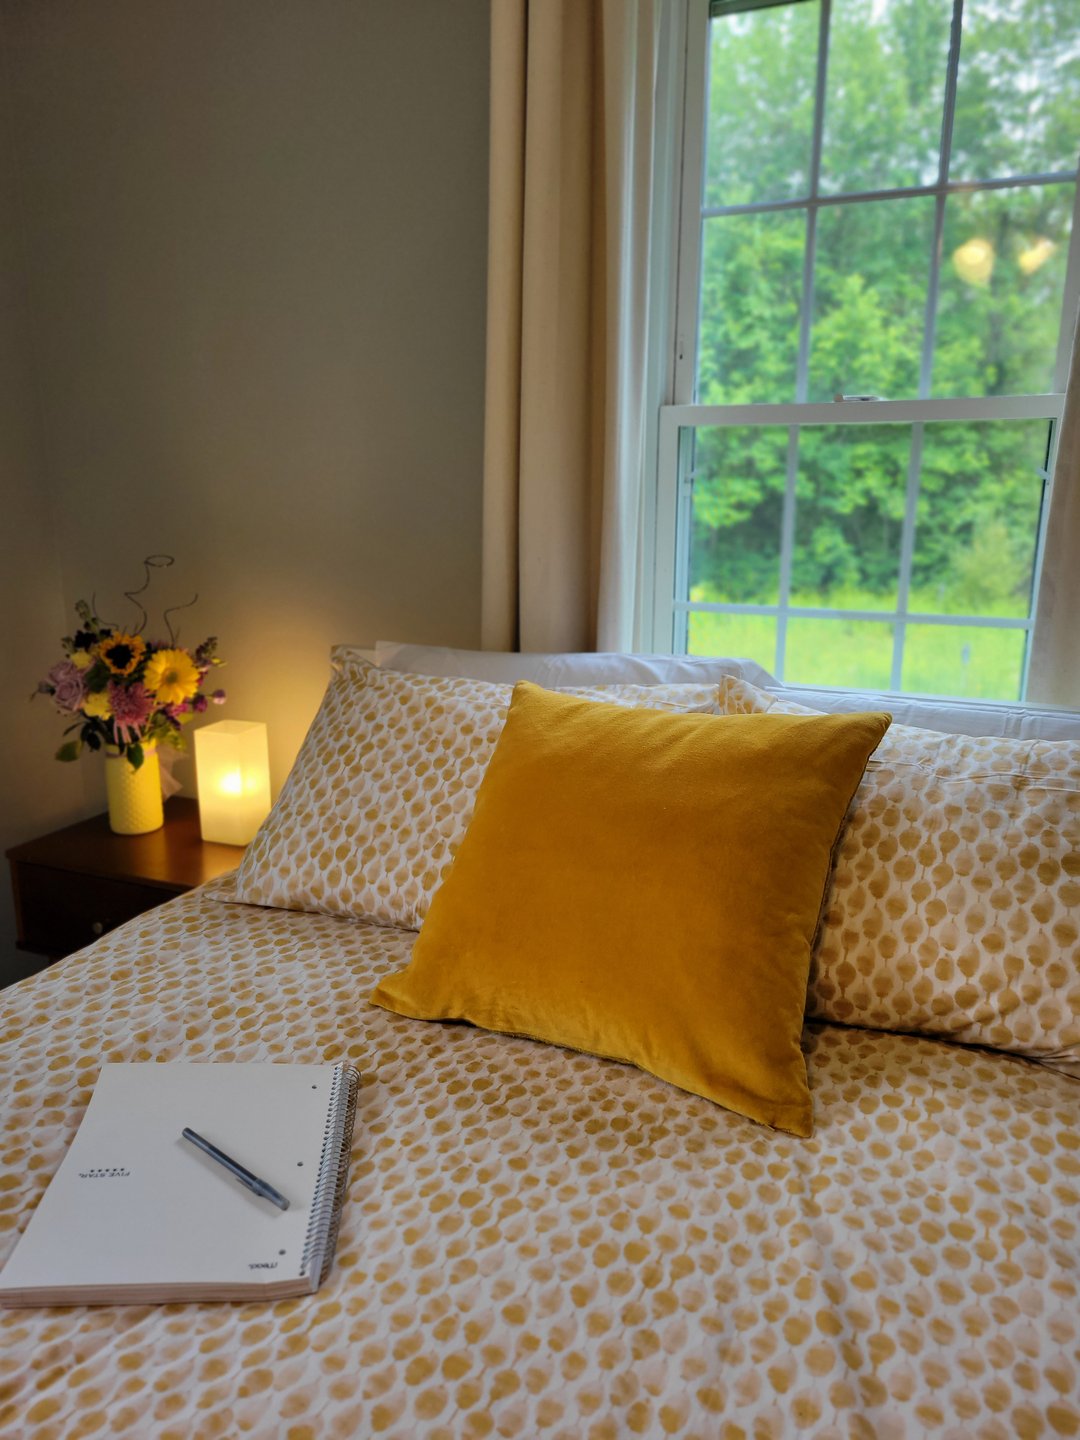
[80,882]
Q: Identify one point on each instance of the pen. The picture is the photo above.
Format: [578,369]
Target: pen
[253,1183]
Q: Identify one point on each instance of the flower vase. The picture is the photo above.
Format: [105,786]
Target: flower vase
[134,795]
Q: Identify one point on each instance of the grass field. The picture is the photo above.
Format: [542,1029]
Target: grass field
[967,661]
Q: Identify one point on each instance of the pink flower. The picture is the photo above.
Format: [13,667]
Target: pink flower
[68,686]
[131,706]
[218,697]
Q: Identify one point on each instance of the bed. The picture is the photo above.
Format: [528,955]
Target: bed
[537,1242]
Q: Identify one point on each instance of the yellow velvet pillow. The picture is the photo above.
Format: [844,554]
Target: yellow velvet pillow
[645,886]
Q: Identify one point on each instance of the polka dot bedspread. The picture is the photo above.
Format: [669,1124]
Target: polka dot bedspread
[539,1244]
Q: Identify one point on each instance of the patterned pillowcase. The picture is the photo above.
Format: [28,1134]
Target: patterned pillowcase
[383,788]
[954,903]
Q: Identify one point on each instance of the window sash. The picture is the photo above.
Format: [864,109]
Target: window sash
[693,213]
[675,497]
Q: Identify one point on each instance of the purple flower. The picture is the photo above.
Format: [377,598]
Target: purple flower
[199,703]
[68,686]
[131,706]
[218,697]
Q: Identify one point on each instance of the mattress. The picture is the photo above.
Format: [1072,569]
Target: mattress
[539,1243]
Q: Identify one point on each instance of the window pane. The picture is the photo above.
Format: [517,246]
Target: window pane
[871,269]
[885,94]
[849,512]
[749,637]
[852,654]
[977,522]
[1002,278]
[969,661]
[738,496]
[1018,89]
[762,67]
[751,284]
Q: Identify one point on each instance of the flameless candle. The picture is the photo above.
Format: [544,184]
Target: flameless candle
[232,765]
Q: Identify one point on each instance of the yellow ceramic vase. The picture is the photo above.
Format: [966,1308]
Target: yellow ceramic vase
[134,795]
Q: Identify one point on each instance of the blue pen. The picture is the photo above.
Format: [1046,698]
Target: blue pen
[262,1188]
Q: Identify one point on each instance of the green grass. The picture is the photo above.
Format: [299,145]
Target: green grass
[966,661]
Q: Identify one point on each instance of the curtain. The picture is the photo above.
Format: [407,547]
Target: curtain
[1054,675]
[573,84]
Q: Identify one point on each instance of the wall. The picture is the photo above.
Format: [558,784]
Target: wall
[37,793]
[254,238]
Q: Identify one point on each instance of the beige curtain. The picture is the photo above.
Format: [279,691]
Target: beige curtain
[572,102]
[1054,676]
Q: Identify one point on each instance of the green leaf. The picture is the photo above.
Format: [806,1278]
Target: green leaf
[135,756]
[70,750]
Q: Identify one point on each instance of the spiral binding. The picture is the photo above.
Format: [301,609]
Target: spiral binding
[333,1178]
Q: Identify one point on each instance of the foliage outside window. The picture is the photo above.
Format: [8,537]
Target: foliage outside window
[884,206]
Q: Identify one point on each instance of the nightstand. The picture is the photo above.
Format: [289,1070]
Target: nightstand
[83,881]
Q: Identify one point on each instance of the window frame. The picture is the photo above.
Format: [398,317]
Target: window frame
[665,620]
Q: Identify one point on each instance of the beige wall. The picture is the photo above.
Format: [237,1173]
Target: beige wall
[37,793]
[254,236]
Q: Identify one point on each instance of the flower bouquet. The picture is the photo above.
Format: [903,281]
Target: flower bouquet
[127,694]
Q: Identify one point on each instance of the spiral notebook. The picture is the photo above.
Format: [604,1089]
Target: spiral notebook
[137,1215]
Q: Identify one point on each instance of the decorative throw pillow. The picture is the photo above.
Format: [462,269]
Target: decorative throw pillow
[645,887]
[954,902]
[383,789]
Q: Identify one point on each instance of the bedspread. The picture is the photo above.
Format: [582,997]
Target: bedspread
[540,1244]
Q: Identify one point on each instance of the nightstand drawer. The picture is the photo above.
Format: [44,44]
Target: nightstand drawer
[60,911]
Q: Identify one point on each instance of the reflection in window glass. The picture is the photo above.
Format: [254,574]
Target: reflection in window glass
[871,268]
[973,662]
[750,293]
[849,513]
[978,518]
[1018,89]
[885,94]
[738,496]
[762,67]
[853,654]
[1002,279]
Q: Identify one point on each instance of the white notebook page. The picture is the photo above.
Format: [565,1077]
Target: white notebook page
[133,1203]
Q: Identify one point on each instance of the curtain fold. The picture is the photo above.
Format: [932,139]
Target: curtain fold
[572,139]
[1054,673]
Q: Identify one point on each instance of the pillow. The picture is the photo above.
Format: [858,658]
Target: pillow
[954,903]
[645,887]
[980,718]
[383,787]
[557,670]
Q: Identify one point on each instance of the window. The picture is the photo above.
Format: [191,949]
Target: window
[879,200]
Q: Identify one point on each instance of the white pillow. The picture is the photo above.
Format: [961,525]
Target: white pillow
[956,717]
[556,670]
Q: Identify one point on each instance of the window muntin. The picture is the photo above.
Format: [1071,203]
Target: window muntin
[844,263]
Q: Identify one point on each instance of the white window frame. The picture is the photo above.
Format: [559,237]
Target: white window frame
[666,621]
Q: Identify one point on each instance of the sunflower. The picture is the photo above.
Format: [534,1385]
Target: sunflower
[171,676]
[121,652]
